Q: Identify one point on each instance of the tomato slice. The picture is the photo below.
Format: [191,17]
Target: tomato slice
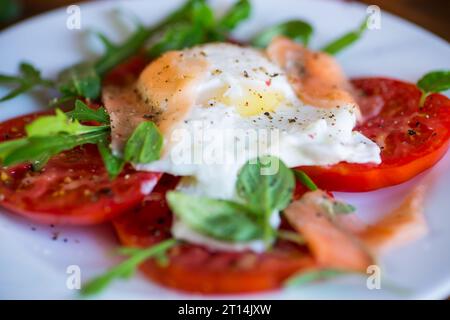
[73,188]
[197,269]
[411,139]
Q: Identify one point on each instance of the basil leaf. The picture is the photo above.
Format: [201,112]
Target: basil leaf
[145,144]
[29,78]
[307,277]
[346,40]
[265,193]
[81,80]
[127,267]
[239,12]
[334,207]
[41,147]
[113,164]
[297,30]
[432,82]
[305,180]
[219,219]
[9,10]
[7,147]
[83,113]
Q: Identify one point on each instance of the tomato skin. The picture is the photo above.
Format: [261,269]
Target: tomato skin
[195,268]
[72,189]
[412,139]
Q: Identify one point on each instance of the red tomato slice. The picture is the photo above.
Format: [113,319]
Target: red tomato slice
[195,268]
[73,188]
[411,139]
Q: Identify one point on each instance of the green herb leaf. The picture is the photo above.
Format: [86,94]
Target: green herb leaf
[265,191]
[29,78]
[305,180]
[41,147]
[346,40]
[113,164]
[219,219]
[145,144]
[291,236]
[9,10]
[239,12]
[127,267]
[304,278]
[432,82]
[83,113]
[297,30]
[81,80]
[9,146]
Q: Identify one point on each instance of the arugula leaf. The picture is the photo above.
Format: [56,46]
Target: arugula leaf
[305,180]
[113,164]
[127,267]
[29,78]
[297,30]
[265,193]
[58,123]
[38,148]
[239,12]
[346,40]
[178,37]
[81,80]
[83,113]
[433,82]
[304,278]
[8,146]
[220,219]
[145,144]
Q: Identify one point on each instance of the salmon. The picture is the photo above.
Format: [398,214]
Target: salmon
[164,93]
[331,245]
[316,77]
[403,225]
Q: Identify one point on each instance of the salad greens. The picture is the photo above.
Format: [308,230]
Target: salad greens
[29,78]
[261,195]
[433,82]
[346,40]
[297,30]
[52,134]
[127,267]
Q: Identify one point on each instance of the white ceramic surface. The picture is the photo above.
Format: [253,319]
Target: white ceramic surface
[33,266]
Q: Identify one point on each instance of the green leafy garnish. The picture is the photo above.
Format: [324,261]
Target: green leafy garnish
[291,236]
[145,144]
[346,40]
[219,219]
[127,267]
[265,193]
[48,136]
[29,78]
[305,180]
[113,164]
[9,10]
[433,82]
[239,12]
[297,30]
[261,196]
[82,112]
[304,278]
[334,207]
[81,80]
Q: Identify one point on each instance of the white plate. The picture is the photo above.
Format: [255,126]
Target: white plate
[32,265]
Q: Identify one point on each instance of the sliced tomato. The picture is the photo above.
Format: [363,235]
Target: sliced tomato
[73,188]
[197,269]
[411,139]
